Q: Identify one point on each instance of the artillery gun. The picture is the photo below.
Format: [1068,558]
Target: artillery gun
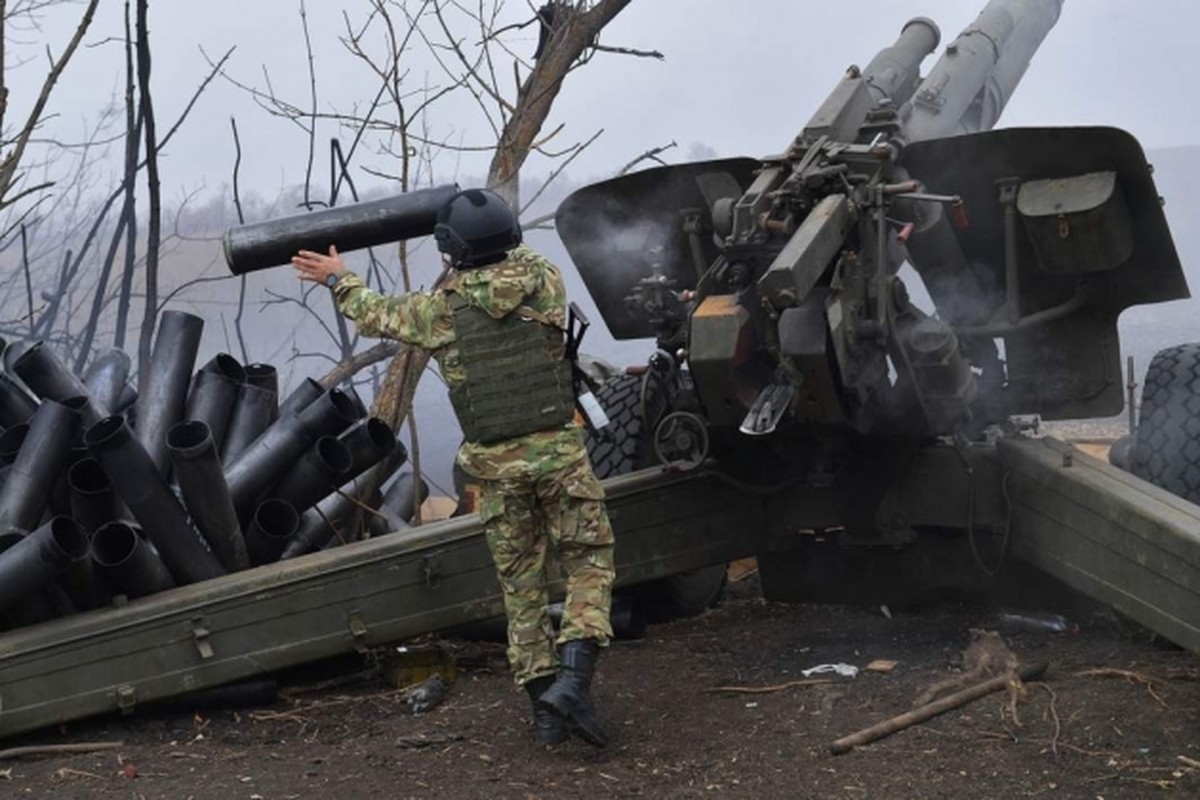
[798,406]
[788,348]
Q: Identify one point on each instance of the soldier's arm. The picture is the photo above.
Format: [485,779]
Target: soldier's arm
[407,317]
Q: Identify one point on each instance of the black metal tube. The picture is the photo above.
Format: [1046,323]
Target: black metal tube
[214,393]
[301,397]
[93,501]
[323,467]
[106,378]
[45,451]
[166,385]
[50,379]
[264,376]
[262,463]
[34,607]
[13,351]
[400,499]
[125,403]
[255,410]
[352,393]
[315,531]
[16,406]
[11,441]
[43,555]
[84,585]
[144,490]
[370,441]
[128,561]
[352,227]
[205,495]
[358,522]
[384,520]
[274,523]
[60,495]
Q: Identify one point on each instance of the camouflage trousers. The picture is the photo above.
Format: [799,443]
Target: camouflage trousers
[526,519]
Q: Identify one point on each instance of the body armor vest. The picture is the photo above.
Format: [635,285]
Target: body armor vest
[514,384]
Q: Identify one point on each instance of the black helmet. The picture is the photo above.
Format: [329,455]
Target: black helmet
[476,228]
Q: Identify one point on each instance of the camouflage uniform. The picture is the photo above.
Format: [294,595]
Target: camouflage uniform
[536,491]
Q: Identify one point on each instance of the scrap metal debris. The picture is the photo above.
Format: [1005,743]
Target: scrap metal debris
[844,670]
[427,694]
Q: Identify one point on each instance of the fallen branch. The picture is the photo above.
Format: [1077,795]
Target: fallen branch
[56,749]
[768,689]
[422,741]
[1112,672]
[930,710]
[1149,681]
[1057,721]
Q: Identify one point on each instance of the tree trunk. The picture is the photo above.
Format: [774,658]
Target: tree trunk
[574,31]
[154,214]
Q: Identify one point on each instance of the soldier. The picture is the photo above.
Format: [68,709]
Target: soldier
[496,328]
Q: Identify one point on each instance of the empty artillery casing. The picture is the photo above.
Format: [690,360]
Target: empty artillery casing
[16,406]
[269,456]
[39,558]
[214,393]
[50,379]
[128,561]
[274,523]
[105,378]
[353,227]
[205,494]
[256,408]
[142,487]
[166,385]
[317,473]
[42,459]
[92,499]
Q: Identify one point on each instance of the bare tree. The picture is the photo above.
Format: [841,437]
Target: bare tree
[475,56]
[14,141]
[52,195]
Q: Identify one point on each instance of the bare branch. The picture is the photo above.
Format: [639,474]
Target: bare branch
[650,155]
[8,167]
[626,51]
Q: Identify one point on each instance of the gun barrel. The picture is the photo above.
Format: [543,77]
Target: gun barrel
[895,71]
[971,83]
[353,227]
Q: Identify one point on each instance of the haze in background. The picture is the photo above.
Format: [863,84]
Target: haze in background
[740,77]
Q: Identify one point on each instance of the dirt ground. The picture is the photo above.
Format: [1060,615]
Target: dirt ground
[1128,734]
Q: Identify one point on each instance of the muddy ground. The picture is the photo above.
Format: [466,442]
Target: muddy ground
[1133,732]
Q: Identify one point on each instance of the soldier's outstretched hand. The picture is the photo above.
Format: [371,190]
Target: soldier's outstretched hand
[317,267]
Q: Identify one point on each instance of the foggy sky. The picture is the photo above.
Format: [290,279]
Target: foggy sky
[740,77]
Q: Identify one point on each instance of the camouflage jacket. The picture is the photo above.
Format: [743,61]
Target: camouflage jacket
[525,280]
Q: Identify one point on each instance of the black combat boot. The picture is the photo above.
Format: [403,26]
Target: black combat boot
[548,726]
[570,695]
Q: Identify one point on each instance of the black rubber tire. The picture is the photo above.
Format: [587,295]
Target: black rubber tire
[684,595]
[1121,452]
[626,448]
[623,447]
[1166,449]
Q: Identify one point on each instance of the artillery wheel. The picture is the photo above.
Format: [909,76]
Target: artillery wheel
[623,446]
[626,447]
[1166,449]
